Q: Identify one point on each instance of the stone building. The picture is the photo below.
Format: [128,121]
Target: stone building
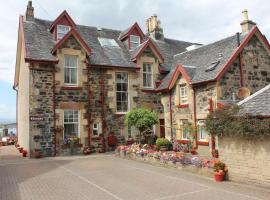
[84,79]
[209,76]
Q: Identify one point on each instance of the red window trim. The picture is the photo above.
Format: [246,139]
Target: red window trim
[183,106]
[201,143]
[71,88]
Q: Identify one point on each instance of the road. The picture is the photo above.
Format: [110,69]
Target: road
[105,177]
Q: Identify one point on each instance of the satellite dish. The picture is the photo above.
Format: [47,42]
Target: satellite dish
[243,92]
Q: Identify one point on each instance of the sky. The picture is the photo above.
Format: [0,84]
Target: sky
[201,21]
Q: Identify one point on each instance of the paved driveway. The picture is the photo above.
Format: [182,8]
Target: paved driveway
[106,177]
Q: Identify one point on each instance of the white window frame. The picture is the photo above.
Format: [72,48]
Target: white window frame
[183,98]
[128,106]
[147,73]
[134,39]
[201,123]
[69,68]
[184,123]
[95,129]
[61,31]
[78,135]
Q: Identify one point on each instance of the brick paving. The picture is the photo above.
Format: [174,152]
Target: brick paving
[102,177]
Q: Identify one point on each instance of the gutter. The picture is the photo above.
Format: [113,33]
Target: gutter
[171,114]
[54,113]
[195,117]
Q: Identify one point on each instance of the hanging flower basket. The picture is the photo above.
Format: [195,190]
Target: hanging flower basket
[24,153]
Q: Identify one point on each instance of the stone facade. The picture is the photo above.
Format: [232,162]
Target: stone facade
[248,161]
[256,75]
[41,105]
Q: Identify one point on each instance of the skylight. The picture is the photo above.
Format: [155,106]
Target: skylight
[107,42]
[212,66]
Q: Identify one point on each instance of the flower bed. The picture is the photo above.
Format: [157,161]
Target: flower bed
[179,160]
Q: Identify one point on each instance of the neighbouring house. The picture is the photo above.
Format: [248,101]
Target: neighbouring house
[249,160]
[206,77]
[85,79]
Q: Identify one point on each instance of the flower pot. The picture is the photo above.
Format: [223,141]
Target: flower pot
[20,149]
[219,177]
[24,153]
[37,155]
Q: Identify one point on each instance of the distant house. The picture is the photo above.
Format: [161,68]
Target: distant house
[85,79]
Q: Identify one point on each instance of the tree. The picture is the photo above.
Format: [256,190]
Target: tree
[142,119]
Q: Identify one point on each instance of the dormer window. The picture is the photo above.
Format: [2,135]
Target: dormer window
[62,30]
[183,94]
[134,41]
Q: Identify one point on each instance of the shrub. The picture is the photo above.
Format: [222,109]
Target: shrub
[163,142]
[219,166]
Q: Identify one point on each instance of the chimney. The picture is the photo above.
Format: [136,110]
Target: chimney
[29,12]
[246,24]
[153,28]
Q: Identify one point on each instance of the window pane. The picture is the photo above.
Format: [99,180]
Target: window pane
[121,92]
[73,72]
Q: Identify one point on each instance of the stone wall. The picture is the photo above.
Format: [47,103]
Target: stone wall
[256,70]
[248,161]
[41,105]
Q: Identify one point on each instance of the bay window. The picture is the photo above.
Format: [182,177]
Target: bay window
[147,75]
[122,102]
[70,70]
[183,95]
[71,123]
[62,30]
[134,41]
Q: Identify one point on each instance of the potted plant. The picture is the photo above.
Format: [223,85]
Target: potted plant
[37,154]
[20,149]
[86,150]
[24,153]
[193,152]
[220,170]
[163,144]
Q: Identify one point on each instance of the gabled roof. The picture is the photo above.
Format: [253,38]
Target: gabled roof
[64,14]
[257,104]
[73,32]
[170,79]
[127,32]
[137,52]
[224,51]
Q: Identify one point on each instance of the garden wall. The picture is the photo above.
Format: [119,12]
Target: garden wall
[248,161]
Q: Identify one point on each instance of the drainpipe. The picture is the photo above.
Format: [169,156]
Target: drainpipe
[171,115]
[212,135]
[240,61]
[195,117]
[54,113]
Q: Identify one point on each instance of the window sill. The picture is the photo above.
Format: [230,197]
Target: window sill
[183,141]
[71,88]
[183,106]
[120,114]
[149,90]
[203,143]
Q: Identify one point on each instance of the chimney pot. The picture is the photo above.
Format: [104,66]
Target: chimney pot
[153,27]
[246,24]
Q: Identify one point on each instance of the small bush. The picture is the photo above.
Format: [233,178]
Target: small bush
[163,142]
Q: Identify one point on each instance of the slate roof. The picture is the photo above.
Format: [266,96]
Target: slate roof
[204,56]
[257,104]
[168,48]
[40,42]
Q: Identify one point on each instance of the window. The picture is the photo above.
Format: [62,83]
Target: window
[134,41]
[107,42]
[147,75]
[71,123]
[121,92]
[201,129]
[62,30]
[185,129]
[70,70]
[183,94]
[95,129]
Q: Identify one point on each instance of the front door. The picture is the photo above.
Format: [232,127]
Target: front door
[162,128]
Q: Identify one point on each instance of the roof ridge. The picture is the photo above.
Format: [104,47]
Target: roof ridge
[254,95]
[206,45]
